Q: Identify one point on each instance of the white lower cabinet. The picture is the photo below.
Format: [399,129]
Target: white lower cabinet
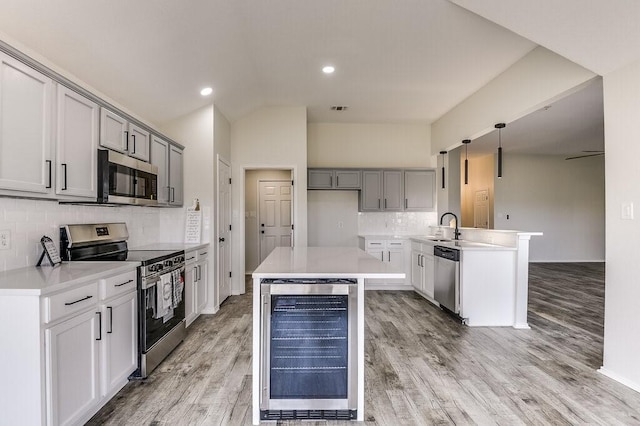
[72,368]
[422,268]
[196,290]
[75,350]
[393,251]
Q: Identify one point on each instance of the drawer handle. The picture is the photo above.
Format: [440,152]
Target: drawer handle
[205,253]
[124,283]
[77,301]
[192,257]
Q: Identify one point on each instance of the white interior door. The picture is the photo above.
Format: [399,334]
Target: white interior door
[224,231]
[275,215]
[481,209]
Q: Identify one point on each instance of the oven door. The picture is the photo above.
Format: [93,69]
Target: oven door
[308,350]
[155,320]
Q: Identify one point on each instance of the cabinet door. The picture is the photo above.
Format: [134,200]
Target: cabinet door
[371,194]
[393,194]
[395,256]
[72,368]
[120,335]
[201,286]
[419,190]
[320,179]
[429,271]
[190,278]
[113,131]
[77,142]
[138,143]
[175,176]
[159,157]
[26,100]
[416,269]
[347,179]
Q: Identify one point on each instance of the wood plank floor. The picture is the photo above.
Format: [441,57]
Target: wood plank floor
[422,367]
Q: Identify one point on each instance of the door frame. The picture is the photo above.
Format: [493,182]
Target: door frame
[216,280]
[258,204]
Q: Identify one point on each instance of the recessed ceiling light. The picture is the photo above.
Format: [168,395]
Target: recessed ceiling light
[206,91]
[328,69]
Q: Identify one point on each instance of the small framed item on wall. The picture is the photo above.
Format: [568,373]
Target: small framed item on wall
[49,250]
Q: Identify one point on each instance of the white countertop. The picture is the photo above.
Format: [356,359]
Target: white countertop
[460,244]
[34,280]
[324,262]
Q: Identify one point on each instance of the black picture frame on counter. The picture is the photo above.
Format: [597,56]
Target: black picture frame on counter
[49,249]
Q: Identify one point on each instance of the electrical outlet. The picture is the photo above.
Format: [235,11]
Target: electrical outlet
[5,239]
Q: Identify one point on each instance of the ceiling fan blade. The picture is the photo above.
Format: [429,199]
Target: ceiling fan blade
[584,156]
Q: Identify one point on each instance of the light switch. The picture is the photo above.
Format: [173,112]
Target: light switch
[627,211]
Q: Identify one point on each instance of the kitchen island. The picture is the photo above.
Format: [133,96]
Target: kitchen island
[316,277]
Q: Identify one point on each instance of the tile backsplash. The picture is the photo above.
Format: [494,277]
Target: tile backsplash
[28,220]
[396,223]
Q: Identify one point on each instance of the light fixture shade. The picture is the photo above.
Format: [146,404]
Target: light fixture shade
[466,143]
[500,126]
[443,171]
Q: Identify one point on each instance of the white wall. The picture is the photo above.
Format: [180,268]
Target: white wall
[563,199]
[622,291]
[251,228]
[369,145]
[276,138]
[537,79]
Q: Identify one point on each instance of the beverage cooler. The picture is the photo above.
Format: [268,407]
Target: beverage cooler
[308,349]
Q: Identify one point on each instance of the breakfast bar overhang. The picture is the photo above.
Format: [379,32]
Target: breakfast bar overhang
[308,332]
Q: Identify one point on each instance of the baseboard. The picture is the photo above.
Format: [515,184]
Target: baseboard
[402,287]
[567,261]
[628,383]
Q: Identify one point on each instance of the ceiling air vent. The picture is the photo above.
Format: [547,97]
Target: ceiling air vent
[339,108]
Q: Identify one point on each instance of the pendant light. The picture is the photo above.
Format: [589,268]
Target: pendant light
[443,173]
[500,126]
[466,143]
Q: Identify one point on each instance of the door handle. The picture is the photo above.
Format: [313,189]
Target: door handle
[262,232]
[49,161]
[221,240]
[110,320]
[65,176]
[99,325]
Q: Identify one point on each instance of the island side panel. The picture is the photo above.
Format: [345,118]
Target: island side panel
[256,351]
[360,416]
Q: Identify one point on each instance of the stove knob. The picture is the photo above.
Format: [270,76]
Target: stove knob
[168,263]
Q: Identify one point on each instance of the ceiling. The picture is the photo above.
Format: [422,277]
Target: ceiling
[408,61]
[405,61]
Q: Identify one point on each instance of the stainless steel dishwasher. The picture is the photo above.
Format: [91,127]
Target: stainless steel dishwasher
[447,278]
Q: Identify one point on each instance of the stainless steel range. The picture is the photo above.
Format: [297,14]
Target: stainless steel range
[161,305]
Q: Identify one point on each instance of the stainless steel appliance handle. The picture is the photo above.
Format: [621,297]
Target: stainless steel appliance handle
[263,349]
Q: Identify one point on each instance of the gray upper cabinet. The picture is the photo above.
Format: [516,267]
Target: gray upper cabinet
[333,179]
[77,141]
[26,159]
[371,194]
[169,160]
[419,190]
[118,134]
[392,190]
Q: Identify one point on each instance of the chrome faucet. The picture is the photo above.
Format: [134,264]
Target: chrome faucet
[456,232]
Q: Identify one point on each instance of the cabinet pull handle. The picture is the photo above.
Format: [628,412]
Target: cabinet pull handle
[192,257]
[330,180]
[389,255]
[337,181]
[378,202]
[126,139]
[406,203]
[99,325]
[77,301]
[110,320]
[64,188]
[205,253]
[124,283]
[134,143]
[173,194]
[49,161]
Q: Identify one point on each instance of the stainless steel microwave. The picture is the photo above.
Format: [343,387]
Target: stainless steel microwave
[125,180]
